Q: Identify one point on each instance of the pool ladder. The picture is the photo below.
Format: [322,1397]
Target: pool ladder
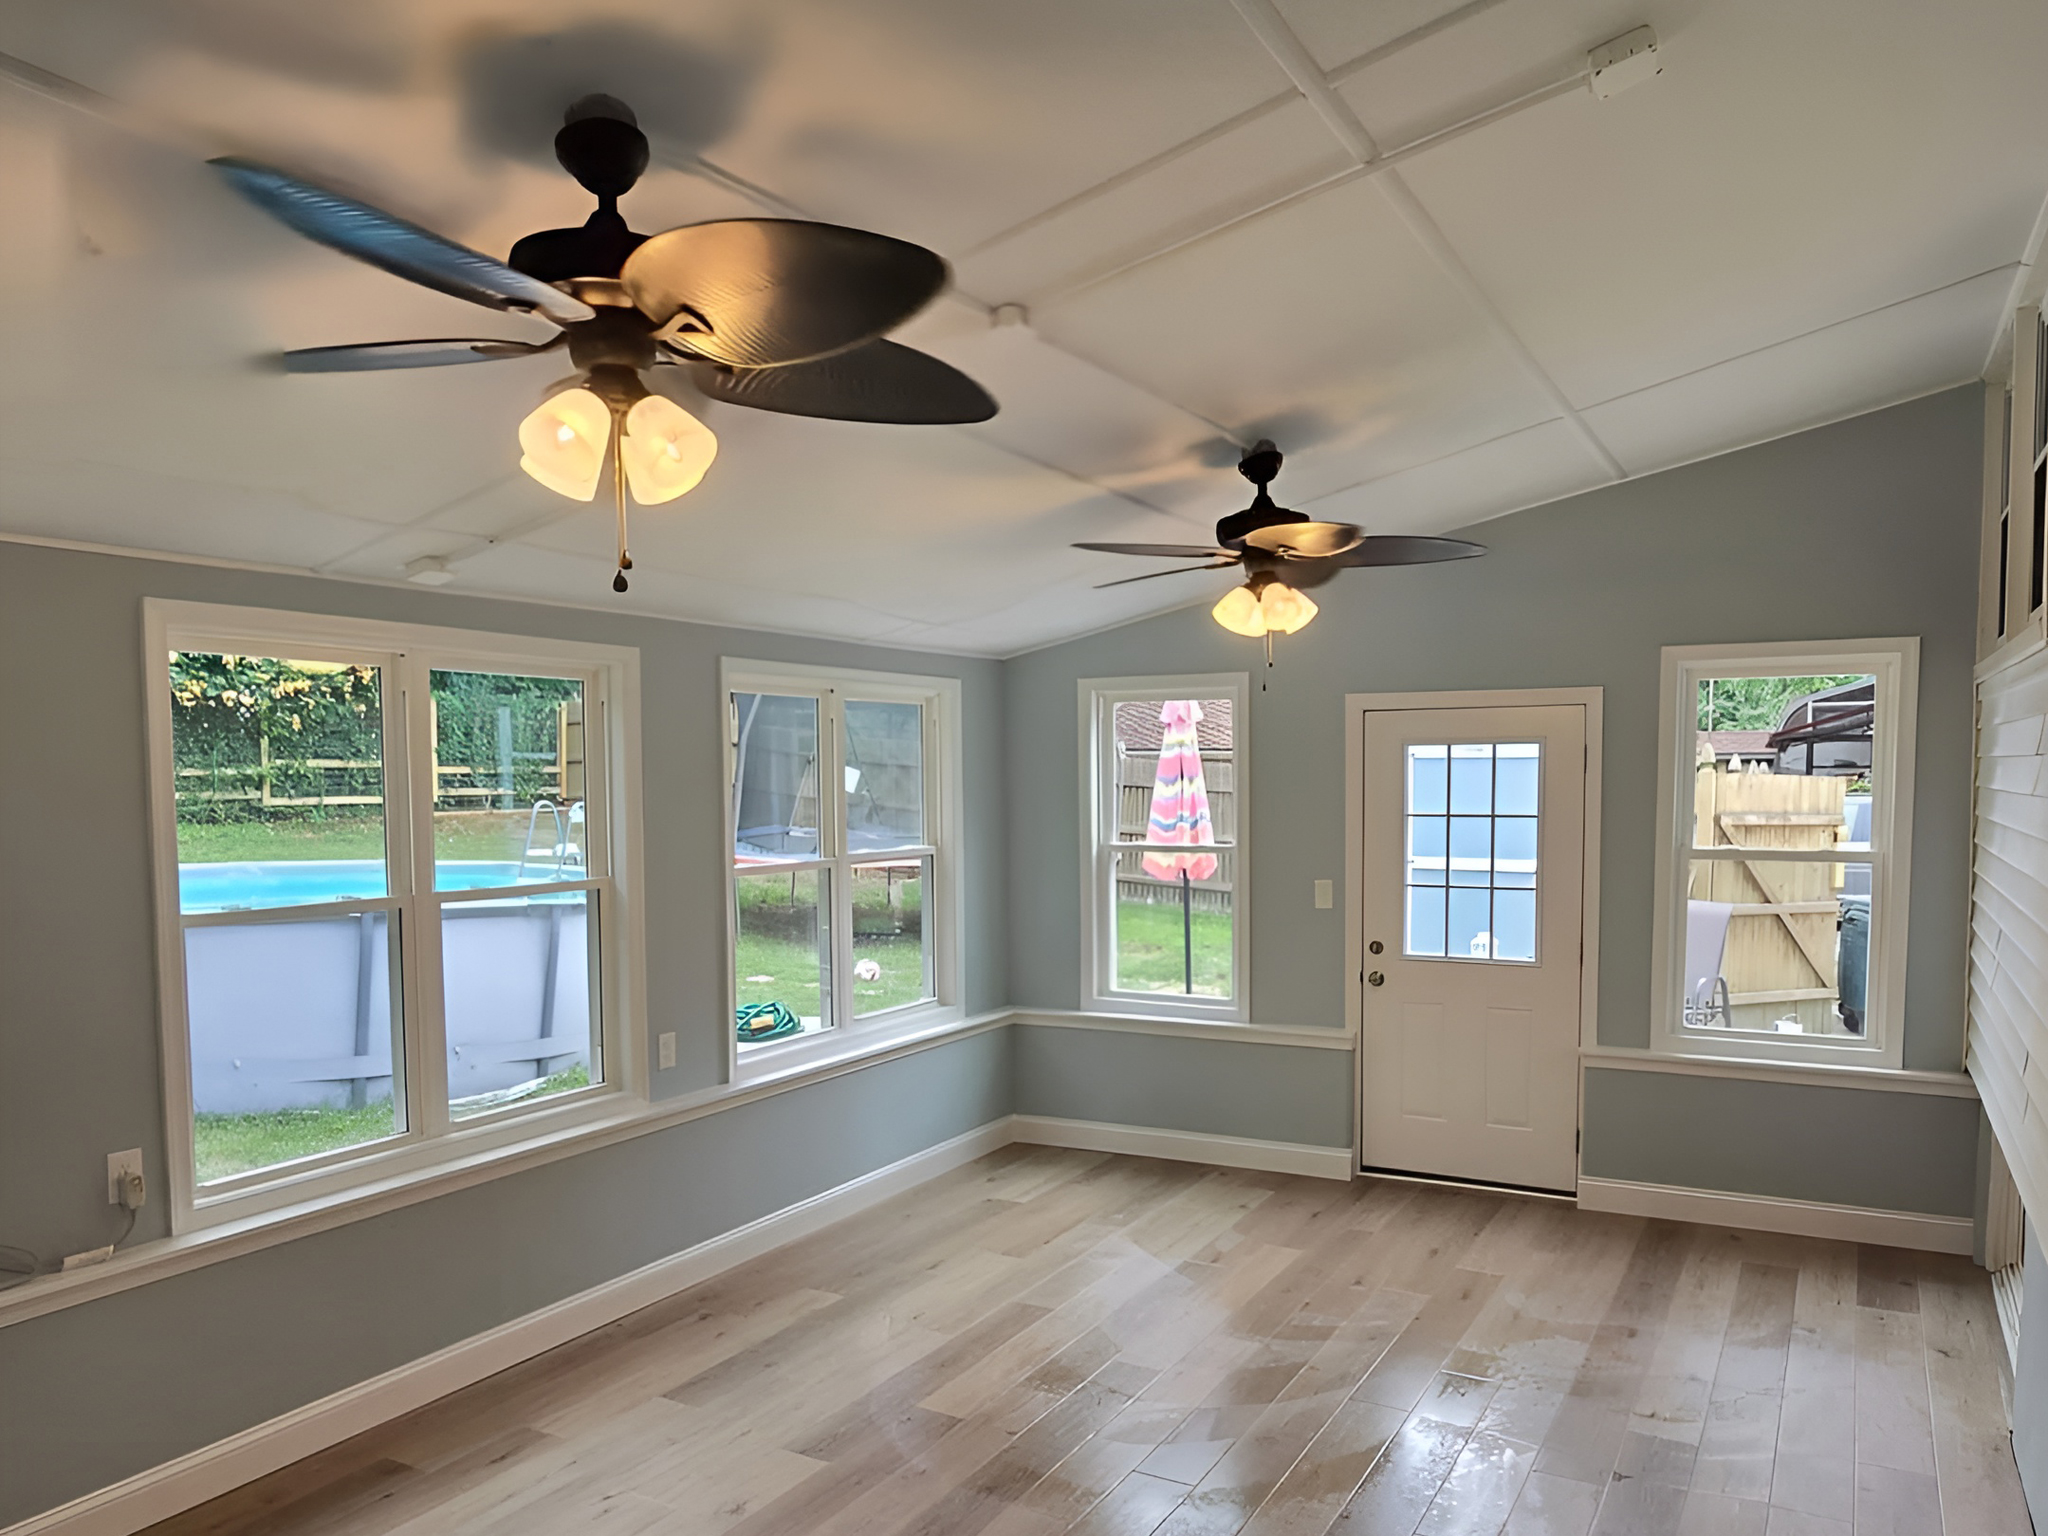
[566,851]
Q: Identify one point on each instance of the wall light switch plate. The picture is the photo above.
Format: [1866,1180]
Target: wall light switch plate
[1326,894]
[120,1166]
[665,1050]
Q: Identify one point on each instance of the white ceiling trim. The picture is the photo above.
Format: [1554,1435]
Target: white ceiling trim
[1288,51]
[1228,126]
[2026,286]
[1091,277]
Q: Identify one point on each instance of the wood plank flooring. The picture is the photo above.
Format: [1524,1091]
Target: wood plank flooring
[1050,1341]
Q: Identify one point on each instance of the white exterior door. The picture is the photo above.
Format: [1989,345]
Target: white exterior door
[1473,869]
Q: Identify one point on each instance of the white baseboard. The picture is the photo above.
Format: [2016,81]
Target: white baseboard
[192,1479]
[1186,1146]
[1761,1213]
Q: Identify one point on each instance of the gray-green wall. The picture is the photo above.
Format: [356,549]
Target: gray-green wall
[98,1392]
[1864,528]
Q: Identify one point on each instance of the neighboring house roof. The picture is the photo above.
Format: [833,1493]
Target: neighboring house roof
[1138,728]
[1738,743]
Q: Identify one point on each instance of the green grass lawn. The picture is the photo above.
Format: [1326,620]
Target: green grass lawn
[791,970]
[226,1145]
[1149,949]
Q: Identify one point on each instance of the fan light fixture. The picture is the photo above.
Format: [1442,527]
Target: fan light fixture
[1262,607]
[664,449]
[656,447]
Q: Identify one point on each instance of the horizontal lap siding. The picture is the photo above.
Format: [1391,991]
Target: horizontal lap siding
[2008,1049]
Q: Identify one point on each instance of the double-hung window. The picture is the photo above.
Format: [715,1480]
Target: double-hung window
[388,869]
[1786,775]
[842,798]
[1164,870]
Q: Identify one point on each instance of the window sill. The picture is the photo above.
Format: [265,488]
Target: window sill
[1189,1027]
[1828,1074]
[778,1060]
[152,1261]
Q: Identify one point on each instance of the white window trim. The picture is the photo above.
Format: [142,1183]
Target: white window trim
[1896,665]
[432,1142]
[1098,945]
[944,799]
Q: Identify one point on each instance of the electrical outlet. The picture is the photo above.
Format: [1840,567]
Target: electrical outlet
[665,1050]
[1326,893]
[124,1178]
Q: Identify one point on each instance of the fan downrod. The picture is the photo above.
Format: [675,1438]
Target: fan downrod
[601,145]
[1260,463]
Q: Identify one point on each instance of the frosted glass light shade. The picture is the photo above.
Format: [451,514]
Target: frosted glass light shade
[666,450]
[1240,613]
[1278,608]
[1286,609]
[563,443]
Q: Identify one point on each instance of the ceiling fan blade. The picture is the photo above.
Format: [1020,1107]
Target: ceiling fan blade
[877,381]
[372,355]
[1306,541]
[400,248]
[758,293]
[1407,549]
[1220,565]
[1162,551]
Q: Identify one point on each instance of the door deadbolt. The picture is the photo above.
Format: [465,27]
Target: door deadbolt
[1375,946]
[1375,979]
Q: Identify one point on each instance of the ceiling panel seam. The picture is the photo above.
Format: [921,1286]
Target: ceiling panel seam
[414,523]
[1067,287]
[1230,125]
[1643,389]
[1287,50]
[1797,336]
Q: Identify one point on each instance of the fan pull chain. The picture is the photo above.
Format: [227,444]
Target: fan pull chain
[619,582]
[1269,659]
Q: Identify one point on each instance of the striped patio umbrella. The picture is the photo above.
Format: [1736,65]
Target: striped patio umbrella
[1180,800]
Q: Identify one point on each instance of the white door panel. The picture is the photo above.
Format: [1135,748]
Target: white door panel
[1473,860]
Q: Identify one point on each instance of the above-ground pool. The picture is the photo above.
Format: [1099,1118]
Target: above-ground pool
[306,882]
[294,1012]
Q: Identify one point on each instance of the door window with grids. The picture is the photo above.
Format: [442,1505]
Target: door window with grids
[1788,787]
[391,876]
[1471,825]
[1165,906]
[837,851]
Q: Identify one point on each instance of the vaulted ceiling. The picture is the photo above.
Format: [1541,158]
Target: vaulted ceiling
[1405,239]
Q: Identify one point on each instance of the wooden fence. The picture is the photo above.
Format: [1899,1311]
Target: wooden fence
[1780,955]
[475,787]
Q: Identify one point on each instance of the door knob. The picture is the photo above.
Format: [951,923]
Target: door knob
[1376,979]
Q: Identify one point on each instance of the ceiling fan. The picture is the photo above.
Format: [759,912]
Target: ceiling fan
[1283,551]
[777,314]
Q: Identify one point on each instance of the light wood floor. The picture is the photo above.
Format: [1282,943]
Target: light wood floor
[1050,1341]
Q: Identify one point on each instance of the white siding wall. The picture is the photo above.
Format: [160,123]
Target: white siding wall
[2009,920]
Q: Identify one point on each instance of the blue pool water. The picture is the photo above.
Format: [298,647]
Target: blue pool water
[295,883]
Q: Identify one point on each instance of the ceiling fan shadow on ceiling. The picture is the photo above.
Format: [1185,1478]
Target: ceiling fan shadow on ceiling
[1282,551]
[780,315]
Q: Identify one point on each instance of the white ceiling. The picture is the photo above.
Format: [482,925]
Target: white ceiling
[1816,210]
